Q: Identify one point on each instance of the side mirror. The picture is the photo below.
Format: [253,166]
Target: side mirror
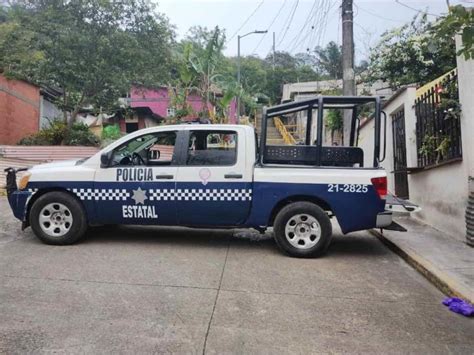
[105,159]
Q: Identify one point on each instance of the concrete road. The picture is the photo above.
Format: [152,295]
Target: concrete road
[173,290]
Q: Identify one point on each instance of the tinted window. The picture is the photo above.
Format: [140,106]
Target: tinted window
[212,148]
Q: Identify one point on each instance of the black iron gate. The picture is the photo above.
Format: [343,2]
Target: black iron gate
[400,154]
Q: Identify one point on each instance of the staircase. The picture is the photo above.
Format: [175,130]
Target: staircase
[273,136]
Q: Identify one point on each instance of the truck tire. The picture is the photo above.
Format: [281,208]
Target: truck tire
[58,218]
[303,230]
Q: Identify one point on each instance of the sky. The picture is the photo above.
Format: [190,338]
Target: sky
[298,24]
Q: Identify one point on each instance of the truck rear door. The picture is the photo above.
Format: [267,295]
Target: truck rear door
[214,183]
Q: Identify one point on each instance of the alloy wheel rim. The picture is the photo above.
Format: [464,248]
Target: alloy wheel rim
[303,231]
[55,219]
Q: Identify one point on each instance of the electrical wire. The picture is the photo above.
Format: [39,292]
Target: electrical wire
[375,15]
[324,24]
[247,20]
[269,26]
[289,22]
[319,25]
[412,8]
[316,26]
[296,40]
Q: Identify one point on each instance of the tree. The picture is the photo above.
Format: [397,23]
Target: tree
[459,20]
[411,54]
[92,50]
[329,60]
[282,60]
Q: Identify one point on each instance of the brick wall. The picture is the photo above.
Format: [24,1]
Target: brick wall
[19,110]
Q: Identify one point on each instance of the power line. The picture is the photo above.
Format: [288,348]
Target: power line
[289,22]
[319,24]
[247,20]
[296,40]
[412,8]
[269,26]
[323,26]
[375,15]
[316,26]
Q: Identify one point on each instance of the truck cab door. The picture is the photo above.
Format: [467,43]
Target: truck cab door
[137,185]
[214,182]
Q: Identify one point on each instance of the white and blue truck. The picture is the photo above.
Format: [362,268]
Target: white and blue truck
[216,176]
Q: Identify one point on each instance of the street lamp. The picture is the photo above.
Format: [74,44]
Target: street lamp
[238,67]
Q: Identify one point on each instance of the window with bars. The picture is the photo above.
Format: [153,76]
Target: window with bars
[438,127]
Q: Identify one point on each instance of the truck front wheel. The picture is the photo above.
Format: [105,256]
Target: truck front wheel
[58,218]
[302,229]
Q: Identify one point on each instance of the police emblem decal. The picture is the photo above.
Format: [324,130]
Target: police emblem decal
[139,210]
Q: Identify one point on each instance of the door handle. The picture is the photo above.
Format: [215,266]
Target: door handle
[164,177]
[233,176]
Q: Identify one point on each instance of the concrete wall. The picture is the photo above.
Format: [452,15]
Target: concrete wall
[19,110]
[466,97]
[48,112]
[441,191]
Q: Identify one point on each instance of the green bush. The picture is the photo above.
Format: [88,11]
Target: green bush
[111,133]
[80,134]
[58,133]
[53,135]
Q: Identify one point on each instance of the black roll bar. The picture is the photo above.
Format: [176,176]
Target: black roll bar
[353,126]
[263,137]
[377,132]
[319,139]
[321,102]
[384,136]
[309,123]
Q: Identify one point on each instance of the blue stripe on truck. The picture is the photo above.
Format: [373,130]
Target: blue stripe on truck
[215,204]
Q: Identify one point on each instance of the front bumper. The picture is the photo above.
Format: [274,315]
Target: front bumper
[18,199]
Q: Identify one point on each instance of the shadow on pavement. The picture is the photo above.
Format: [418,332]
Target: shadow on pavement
[354,244]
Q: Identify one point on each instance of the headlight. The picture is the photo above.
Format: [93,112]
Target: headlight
[24,181]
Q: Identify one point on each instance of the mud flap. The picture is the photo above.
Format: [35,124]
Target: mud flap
[394,226]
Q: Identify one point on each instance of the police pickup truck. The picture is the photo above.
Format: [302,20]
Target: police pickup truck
[216,176]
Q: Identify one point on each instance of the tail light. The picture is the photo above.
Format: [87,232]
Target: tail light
[380,186]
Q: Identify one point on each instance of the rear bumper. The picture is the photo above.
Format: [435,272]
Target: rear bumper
[384,219]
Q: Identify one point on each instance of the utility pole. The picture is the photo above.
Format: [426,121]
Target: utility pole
[348,77]
[273,50]
[239,37]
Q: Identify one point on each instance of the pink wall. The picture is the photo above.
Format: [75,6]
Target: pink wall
[158,100]
[233,112]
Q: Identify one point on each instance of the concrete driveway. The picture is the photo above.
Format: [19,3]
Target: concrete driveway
[174,290]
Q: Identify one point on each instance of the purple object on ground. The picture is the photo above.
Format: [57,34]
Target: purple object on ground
[460,306]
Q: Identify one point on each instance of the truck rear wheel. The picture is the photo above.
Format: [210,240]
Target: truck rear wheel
[58,218]
[302,229]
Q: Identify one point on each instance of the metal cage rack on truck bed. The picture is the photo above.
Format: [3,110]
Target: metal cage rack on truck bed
[317,155]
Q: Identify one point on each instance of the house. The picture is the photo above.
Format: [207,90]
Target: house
[151,107]
[430,150]
[25,108]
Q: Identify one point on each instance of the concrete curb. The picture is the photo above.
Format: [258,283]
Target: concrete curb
[437,277]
